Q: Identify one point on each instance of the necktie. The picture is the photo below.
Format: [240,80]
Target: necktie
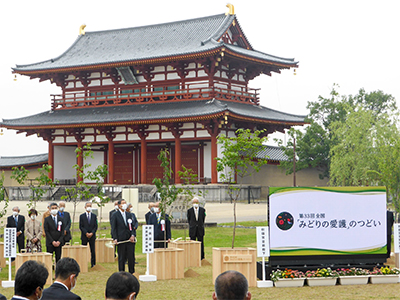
[123,215]
[158,218]
[16,222]
[88,218]
[197,214]
[55,221]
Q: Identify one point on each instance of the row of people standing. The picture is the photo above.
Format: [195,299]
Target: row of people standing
[55,227]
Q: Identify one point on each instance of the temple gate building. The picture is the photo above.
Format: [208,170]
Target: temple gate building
[131,92]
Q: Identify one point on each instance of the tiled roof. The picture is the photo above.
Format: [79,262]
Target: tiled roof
[147,113]
[272,153]
[14,161]
[112,47]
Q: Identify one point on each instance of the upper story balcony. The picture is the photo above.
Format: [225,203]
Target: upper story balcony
[128,95]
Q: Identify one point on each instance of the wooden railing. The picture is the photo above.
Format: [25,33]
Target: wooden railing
[79,99]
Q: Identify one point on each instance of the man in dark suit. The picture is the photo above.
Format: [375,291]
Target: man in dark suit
[88,227]
[196,217]
[123,230]
[162,225]
[148,214]
[54,228]
[30,280]
[67,271]
[122,285]
[67,221]
[17,221]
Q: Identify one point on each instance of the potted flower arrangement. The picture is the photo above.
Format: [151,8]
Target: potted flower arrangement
[353,276]
[288,278]
[321,277]
[384,274]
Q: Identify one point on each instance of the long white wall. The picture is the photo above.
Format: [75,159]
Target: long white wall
[98,159]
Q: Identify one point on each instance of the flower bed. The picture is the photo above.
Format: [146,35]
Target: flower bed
[322,277]
[288,278]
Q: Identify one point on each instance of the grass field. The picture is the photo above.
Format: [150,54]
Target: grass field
[91,285]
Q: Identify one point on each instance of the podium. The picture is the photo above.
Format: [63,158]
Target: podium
[2,259]
[43,257]
[78,252]
[104,254]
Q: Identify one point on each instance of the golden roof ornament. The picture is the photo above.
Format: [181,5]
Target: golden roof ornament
[82,29]
[231,9]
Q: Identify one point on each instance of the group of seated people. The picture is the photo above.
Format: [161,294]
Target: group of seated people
[32,276]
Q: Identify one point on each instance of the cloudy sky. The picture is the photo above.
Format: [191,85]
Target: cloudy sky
[353,43]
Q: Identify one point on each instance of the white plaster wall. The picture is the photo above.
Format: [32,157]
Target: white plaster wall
[188,125]
[58,140]
[159,69]
[191,74]
[101,138]
[120,129]
[202,133]
[120,137]
[88,139]
[207,160]
[159,77]
[188,134]
[167,135]
[108,82]
[64,160]
[153,136]
[94,75]
[153,127]
[133,137]
[98,159]
[94,82]
[70,139]
[172,76]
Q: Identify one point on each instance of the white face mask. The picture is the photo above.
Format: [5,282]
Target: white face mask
[88,209]
[33,217]
[62,209]
[116,207]
[156,209]
[54,212]
[15,213]
[124,206]
[195,205]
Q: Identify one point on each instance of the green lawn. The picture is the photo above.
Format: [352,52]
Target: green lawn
[91,285]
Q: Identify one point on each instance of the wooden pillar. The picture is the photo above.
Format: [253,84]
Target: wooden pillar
[137,164]
[178,159]
[80,160]
[110,161]
[51,159]
[143,160]
[214,155]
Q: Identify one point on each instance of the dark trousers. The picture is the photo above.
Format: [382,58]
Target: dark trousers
[21,242]
[92,246]
[160,244]
[200,238]
[126,252]
[56,250]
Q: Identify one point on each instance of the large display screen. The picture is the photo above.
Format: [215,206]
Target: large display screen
[306,221]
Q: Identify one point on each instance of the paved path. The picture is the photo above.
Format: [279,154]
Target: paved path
[216,212]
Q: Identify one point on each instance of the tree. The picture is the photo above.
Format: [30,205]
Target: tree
[168,192]
[313,146]
[3,196]
[82,191]
[239,159]
[42,181]
[188,176]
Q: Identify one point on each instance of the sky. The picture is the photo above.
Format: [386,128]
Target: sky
[353,43]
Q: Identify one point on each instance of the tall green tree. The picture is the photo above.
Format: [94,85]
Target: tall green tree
[239,160]
[314,143]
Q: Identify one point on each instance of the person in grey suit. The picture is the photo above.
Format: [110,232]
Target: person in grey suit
[67,222]
[67,271]
[29,281]
[88,227]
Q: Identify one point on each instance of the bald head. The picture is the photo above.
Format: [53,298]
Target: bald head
[231,285]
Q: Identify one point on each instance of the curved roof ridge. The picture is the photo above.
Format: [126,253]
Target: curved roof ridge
[221,29]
